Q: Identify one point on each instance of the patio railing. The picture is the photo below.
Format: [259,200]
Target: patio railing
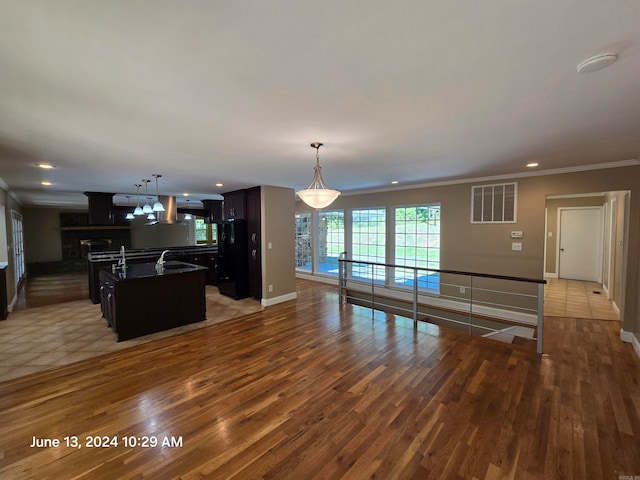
[499,306]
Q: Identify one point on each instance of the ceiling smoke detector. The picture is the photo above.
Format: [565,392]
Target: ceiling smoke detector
[597,62]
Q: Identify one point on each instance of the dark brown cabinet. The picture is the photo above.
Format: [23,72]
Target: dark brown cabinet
[212,210]
[100,208]
[246,204]
[4,311]
[254,241]
[234,204]
[142,299]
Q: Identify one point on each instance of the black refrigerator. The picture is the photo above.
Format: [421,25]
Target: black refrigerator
[233,262]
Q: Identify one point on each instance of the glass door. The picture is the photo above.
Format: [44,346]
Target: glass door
[18,247]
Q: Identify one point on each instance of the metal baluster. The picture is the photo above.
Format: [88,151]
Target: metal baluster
[540,317]
[373,293]
[470,304]
[415,296]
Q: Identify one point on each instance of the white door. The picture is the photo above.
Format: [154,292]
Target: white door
[581,234]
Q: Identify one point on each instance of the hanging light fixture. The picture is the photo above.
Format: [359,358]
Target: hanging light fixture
[147,207]
[130,214]
[150,215]
[138,210]
[157,207]
[187,215]
[317,195]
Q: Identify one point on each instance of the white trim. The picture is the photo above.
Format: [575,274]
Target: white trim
[540,173]
[318,278]
[267,302]
[629,337]
[616,308]
[13,303]
[550,275]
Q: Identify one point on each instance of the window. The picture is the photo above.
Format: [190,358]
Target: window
[304,256]
[330,240]
[368,241]
[493,203]
[417,244]
[205,232]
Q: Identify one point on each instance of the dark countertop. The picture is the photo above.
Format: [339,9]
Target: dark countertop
[148,270]
[115,255]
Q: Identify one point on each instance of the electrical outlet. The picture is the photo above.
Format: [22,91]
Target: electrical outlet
[463,290]
[271,288]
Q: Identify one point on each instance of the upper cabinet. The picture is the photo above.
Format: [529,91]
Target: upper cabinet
[212,210]
[235,204]
[100,208]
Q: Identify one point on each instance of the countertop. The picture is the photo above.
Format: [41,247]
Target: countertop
[115,255]
[148,270]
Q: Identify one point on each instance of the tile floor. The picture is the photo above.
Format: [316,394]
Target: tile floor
[47,335]
[573,298]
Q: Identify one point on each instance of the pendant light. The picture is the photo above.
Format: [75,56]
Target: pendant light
[317,195]
[130,214]
[147,208]
[187,215]
[150,215]
[138,211]
[157,207]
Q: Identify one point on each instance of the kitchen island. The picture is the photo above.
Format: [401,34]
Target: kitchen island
[204,255]
[143,298]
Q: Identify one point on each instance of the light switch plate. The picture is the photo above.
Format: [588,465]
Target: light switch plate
[517,246]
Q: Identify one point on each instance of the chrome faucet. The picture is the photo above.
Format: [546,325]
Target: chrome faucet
[123,261]
[160,262]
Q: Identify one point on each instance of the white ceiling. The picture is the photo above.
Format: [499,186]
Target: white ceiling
[234,92]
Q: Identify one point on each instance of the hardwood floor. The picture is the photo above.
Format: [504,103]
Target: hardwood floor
[312,389]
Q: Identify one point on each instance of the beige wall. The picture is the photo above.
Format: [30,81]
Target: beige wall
[278,229]
[42,242]
[487,248]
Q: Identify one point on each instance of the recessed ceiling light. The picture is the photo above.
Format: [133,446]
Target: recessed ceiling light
[532,164]
[597,62]
[185,194]
[393,182]
[219,184]
[46,183]
[45,165]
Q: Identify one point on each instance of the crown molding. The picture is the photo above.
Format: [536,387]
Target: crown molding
[507,176]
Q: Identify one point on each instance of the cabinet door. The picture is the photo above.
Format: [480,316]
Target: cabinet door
[254,242]
[234,205]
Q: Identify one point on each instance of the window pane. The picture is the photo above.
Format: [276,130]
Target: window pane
[304,257]
[498,203]
[330,240]
[368,241]
[417,235]
[201,230]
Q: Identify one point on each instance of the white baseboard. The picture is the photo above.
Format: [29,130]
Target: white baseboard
[550,275]
[615,309]
[318,278]
[266,302]
[13,303]
[629,337]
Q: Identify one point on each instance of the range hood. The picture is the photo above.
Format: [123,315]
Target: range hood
[170,215]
